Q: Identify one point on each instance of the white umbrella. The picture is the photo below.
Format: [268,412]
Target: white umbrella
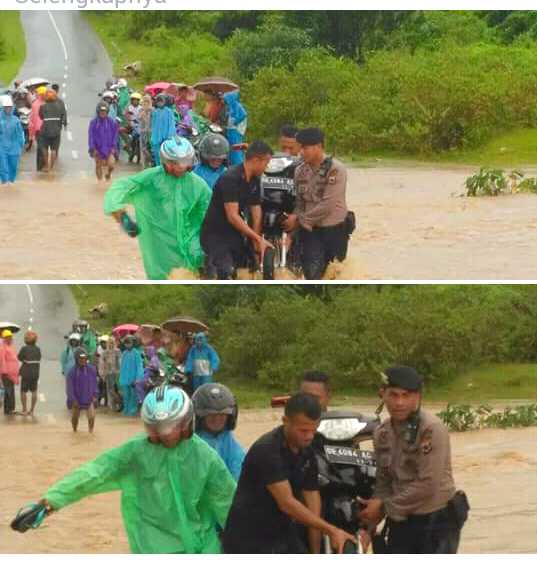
[13,327]
[35,82]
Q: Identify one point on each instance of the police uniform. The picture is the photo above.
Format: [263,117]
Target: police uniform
[321,210]
[415,481]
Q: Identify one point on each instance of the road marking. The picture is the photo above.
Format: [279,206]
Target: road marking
[31,298]
[64,85]
[55,26]
[75,155]
[42,397]
[69,136]
[65,76]
[67,67]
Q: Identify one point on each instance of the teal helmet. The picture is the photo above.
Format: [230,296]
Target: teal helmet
[166,407]
[177,150]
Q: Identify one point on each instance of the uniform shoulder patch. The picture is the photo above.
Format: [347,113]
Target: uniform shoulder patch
[426,442]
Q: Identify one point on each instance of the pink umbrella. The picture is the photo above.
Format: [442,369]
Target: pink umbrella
[156,88]
[125,329]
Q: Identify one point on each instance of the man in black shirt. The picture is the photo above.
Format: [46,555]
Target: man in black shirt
[236,197]
[278,490]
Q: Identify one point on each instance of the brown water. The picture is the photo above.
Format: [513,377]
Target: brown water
[497,468]
[411,226]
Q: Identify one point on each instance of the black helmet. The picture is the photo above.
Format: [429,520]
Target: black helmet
[214,146]
[161,97]
[214,398]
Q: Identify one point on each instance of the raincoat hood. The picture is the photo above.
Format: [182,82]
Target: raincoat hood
[79,352]
[200,340]
[236,111]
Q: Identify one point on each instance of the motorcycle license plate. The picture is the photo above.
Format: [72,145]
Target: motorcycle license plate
[350,456]
[276,182]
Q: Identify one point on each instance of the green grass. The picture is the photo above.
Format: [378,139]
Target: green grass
[515,381]
[120,50]
[14,42]
[151,303]
[509,150]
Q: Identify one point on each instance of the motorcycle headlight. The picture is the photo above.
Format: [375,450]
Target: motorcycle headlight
[277,165]
[340,429]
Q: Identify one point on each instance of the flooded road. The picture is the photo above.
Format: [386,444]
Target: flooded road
[497,469]
[411,226]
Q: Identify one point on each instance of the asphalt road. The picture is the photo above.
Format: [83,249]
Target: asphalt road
[62,47]
[49,310]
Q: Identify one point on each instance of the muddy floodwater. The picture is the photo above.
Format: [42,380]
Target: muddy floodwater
[412,225]
[497,468]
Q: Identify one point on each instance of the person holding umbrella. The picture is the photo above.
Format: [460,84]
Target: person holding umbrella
[11,141]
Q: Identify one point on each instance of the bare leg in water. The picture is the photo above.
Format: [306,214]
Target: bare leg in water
[98,168]
[53,158]
[110,163]
[34,402]
[91,417]
[75,415]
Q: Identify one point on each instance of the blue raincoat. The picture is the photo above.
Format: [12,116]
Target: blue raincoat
[236,126]
[228,449]
[202,361]
[131,370]
[209,174]
[162,128]
[11,145]
[67,359]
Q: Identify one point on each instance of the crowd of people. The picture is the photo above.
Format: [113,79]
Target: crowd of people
[198,199]
[28,115]
[138,123]
[205,494]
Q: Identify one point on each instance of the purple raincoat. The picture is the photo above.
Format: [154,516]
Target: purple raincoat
[82,385]
[103,136]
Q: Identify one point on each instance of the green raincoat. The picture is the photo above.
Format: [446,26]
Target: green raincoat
[169,213]
[172,499]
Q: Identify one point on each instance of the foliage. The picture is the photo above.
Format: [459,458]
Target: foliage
[12,46]
[410,82]
[486,182]
[268,335]
[461,418]
[494,182]
[273,45]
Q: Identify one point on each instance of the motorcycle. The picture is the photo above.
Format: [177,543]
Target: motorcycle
[346,472]
[24,113]
[278,195]
[175,377]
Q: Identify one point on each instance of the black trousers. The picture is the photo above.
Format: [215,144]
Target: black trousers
[9,395]
[435,533]
[320,247]
[224,256]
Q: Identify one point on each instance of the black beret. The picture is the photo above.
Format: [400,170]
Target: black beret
[403,377]
[310,136]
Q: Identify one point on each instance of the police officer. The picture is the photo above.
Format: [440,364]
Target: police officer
[414,484]
[321,210]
